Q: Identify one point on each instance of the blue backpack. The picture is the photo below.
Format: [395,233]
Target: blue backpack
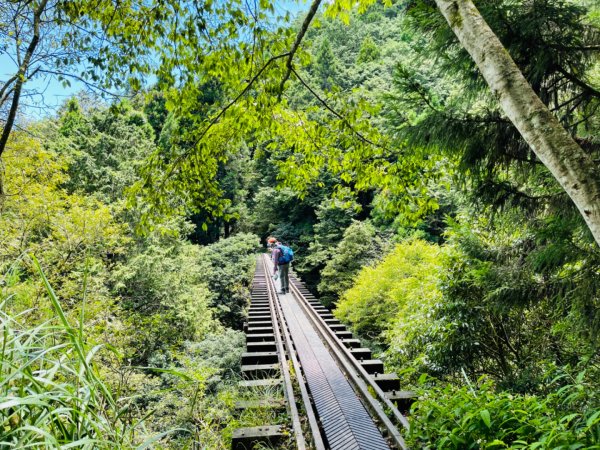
[287,254]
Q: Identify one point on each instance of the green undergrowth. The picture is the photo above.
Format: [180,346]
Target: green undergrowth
[255,417]
[439,318]
[51,395]
[479,416]
[56,390]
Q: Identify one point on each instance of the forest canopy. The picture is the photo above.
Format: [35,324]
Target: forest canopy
[433,164]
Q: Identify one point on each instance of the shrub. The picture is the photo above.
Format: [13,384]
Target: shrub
[390,302]
[359,247]
[164,304]
[50,393]
[227,268]
[480,417]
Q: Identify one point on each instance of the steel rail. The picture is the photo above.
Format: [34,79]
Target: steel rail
[357,375]
[287,380]
[308,407]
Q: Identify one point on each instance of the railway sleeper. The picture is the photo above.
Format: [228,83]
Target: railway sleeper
[402,399]
[247,438]
[249,358]
[257,324]
[257,305]
[372,366]
[261,323]
[261,383]
[344,334]
[361,353]
[259,330]
[338,327]
[260,337]
[259,317]
[260,404]
[387,381]
[351,342]
[260,307]
[260,371]
[264,346]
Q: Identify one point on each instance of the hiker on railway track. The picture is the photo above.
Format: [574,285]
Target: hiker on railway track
[282,256]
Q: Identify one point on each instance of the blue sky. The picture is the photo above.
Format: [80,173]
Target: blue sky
[52,93]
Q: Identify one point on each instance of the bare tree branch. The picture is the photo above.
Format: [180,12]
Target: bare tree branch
[21,75]
[240,95]
[4,88]
[335,113]
[582,48]
[289,64]
[579,82]
[84,81]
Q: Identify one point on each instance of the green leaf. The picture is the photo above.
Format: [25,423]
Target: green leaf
[485,415]
[22,401]
[594,418]
[152,440]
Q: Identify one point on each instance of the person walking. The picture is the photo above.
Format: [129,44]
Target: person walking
[281,256]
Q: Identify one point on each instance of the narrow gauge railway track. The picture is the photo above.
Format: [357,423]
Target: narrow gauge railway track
[265,365]
[341,398]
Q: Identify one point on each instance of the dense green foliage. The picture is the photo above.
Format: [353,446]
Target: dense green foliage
[393,300]
[478,416]
[51,395]
[157,315]
[512,294]
[360,246]
[415,208]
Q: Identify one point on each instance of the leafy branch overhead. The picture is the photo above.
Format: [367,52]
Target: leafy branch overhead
[552,145]
[213,43]
[385,144]
[256,110]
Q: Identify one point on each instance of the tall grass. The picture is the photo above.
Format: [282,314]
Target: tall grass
[51,396]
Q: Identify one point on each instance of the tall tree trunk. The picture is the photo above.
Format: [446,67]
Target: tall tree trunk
[557,150]
[21,75]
